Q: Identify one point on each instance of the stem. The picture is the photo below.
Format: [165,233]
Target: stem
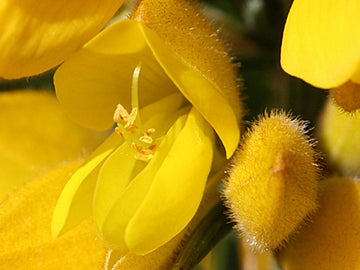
[205,236]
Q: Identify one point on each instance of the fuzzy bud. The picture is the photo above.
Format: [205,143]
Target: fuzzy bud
[272,186]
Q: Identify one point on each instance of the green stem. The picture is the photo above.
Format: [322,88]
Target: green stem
[213,227]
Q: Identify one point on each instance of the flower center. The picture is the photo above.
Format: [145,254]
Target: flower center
[129,124]
[141,142]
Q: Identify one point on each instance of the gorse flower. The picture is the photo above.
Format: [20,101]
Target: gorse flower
[38,35]
[137,185]
[321,46]
[25,236]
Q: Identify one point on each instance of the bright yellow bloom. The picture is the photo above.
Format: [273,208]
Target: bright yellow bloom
[321,44]
[25,215]
[145,183]
[272,187]
[38,35]
[332,240]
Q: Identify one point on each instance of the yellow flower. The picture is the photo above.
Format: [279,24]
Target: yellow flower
[25,215]
[145,183]
[272,187]
[39,35]
[321,46]
[332,240]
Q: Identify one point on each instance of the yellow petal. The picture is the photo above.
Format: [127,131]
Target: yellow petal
[104,69]
[75,201]
[176,191]
[163,113]
[25,237]
[204,96]
[321,42]
[188,33]
[103,78]
[161,258]
[38,35]
[114,175]
[332,240]
[36,136]
[121,166]
[114,227]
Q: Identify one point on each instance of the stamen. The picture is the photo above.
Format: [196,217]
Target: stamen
[121,115]
[152,147]
[131,119]
[118,131]
[136,147]
[130,122]
[143,157]
[146,139]
[150,131]
[146,151]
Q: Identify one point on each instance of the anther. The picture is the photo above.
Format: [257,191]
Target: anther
[117,130]
[121,115]
[146,139]
[143,157]
[146,151]
[150,131]
[131,119]
[136,147]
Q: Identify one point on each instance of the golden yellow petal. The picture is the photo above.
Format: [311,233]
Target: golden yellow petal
[35,135]
[38,35]
[332,240]
[190,35]
[161,258]
[206,98]
[173,197]
[76,199]
[104,69]
[25,237]
[321,41]
[205,73]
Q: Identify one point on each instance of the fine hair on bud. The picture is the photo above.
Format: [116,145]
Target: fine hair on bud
[273,181]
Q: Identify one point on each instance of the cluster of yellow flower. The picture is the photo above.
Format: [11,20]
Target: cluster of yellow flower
[163,82]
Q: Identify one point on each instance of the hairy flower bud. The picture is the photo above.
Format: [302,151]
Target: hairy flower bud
[272,186]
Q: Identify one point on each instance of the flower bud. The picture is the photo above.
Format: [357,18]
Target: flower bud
[332,241]
[272,186]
